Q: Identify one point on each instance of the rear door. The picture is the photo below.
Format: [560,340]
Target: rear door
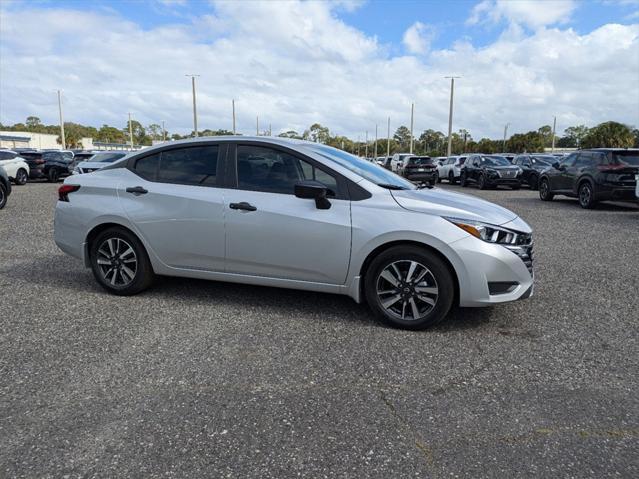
[175,203]
[272,233]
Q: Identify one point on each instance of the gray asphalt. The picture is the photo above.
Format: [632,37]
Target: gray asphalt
[204,379]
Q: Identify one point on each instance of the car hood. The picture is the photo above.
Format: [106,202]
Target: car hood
[440,202]
[92,164]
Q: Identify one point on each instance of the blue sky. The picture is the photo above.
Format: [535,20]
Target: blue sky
[347,64]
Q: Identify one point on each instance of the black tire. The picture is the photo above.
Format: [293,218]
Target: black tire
[451,178]
[436,180]
[587,196]
[143,275]
[439,180]
[544,190]
[481,182]
[463,181]
[54,175]
[21,177]
[438,277]
[533,182]
[3,195]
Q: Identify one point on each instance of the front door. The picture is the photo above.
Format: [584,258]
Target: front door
[272,233]
[173,201]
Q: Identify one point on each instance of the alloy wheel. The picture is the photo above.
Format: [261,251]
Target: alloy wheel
[117,262]
[21,177]
[407,290]
[585,194]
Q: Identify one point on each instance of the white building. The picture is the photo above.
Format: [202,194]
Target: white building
[25,139]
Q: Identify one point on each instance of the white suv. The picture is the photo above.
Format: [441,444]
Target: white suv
[451,169]
[398,160]
[16,167]
[293,214]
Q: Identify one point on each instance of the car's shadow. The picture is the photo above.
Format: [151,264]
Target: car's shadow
[60,272]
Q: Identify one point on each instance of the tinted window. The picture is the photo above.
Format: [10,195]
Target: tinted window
[274,171]
[147,167]
[7,155]
[494,161]
[569,160]
[106,157]
[584,159]
[420,160]
[629,157]
[190,166]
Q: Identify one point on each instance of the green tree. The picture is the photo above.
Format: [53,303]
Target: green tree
[573,136]
[290,134]
[531,142]
[431,142]
[139,133]
[402,136]
[317,133]
[110,134]
[609,135]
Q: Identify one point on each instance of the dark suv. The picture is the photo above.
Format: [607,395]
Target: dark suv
[593,175]
[51,165]
[532,166]
[421,168]
[490,171]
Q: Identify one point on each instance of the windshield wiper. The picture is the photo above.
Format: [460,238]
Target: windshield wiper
[391,186]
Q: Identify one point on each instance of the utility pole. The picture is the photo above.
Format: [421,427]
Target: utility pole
[233,102]
[554,125]
[257,125]
[505,133]
[194,106]
[163,132]
[64,145]
[130,131]
[388,140]
[270,130]
[375,157]
[366,154]
[412,111]
[450,115]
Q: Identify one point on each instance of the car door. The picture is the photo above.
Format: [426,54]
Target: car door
[564,180]
[174,201]
[272,233]
[474,167]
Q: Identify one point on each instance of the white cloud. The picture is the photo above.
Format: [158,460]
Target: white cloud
[417,38]
[531,13]
[296,63]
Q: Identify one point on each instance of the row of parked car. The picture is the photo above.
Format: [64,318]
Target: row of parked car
[20,165]
[591,176]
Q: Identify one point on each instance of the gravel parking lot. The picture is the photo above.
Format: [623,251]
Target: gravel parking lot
[196,378]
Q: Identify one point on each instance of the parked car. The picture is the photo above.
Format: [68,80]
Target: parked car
[293,214]
[51,165]
[97,161]
[5,187]
[420,168]
[509,156]
[490,171]
[594,175]
[451,169]
[15,166]
[380,160]
[397,161]
[532,165]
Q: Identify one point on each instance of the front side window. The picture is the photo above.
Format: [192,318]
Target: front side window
[189,166]
[7,155]
[584,159]
[569,160]
[266,169]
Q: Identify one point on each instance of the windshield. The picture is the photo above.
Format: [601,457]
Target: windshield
[420,160]
[367,170]
[495,161]
[626,158]
[543,160]
[106,157]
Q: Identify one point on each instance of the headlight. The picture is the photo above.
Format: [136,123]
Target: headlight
[491,233]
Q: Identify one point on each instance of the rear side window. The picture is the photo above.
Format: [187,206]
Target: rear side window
[584,159]
[147,167]
[189,166]
[7,155]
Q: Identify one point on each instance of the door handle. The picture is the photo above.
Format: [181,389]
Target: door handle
[137,190]
[242,206]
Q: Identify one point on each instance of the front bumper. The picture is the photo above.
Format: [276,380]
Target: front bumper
[481,263]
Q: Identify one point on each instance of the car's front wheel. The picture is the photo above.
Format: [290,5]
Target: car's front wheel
[544,190]
[21,177]
[409,287]
[463,181]
[481,182]
[3,195]
[120,263]
[451,177]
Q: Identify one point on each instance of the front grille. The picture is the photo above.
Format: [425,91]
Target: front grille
[524,250]
[507,174]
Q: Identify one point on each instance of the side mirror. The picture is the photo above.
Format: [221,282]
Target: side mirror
[313,190]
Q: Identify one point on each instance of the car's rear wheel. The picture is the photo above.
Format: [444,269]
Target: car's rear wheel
[409,287]
[481,182]
[3,195]
[21,177]
[586,196]
[544,190]
[120,263]
[533,182]
[54,175]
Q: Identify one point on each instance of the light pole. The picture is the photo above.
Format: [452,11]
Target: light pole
[257,125]
[366,154]
[554,125]
[233,102]
[375,157]
[130,131]
[412,111]
[163,132]
[450,115]
[388,140]
[194,106]
[505,133]
[61,120]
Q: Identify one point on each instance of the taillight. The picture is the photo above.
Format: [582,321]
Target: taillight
[64,190]
[39,162]
[607,168]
